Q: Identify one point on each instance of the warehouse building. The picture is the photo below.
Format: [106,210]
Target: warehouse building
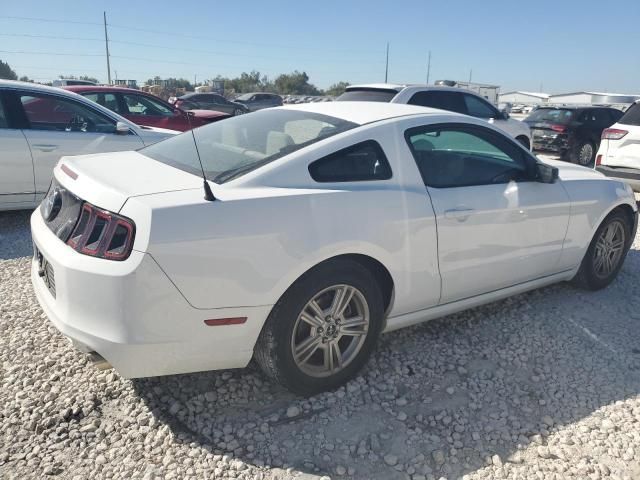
[526,98]
[592,98]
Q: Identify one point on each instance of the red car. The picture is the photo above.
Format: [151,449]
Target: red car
[146,109]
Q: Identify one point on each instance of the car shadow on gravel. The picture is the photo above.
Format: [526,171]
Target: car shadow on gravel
[15,238]
[480,389]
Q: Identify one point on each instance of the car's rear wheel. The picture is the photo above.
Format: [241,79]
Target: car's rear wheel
[237,111]
[583,153]
[606,252]
[323,329]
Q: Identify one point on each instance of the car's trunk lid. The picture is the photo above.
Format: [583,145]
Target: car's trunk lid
[107,180]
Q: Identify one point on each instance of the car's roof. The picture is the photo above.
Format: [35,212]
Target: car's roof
[573,107]
[409,87]
[366,112]
[30,86]
[101,88]
[191,94]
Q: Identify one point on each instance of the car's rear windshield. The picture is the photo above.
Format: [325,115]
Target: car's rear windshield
[552,115]
[367,95]
[237,145]
[632,115]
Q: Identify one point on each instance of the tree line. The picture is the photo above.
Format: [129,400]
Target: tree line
[294,83]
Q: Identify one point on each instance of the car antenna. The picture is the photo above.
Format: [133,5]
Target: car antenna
[208,194]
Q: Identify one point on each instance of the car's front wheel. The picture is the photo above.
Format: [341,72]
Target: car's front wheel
[238,111]
[322,330]
[606,252]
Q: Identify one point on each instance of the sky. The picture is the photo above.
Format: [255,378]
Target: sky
[550,46]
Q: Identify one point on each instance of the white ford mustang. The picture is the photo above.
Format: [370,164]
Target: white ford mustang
[321,226]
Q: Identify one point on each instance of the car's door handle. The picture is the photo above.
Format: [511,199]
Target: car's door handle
[459,213]
[44,148]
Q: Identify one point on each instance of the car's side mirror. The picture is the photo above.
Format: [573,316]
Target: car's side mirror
[122,128]
[546,173]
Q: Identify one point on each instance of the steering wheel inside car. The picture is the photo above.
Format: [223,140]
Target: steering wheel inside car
[78,123]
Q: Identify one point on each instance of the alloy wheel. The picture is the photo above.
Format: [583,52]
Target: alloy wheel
[330,331]
[609,249]
[585,154]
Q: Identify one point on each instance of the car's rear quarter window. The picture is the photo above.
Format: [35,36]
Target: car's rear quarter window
[368,95]
[631,116]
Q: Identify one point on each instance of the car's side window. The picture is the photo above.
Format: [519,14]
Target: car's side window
[50,112]
[479,108]
[361,162]
[107,100]
[141,105]
[460,156]
[444,100]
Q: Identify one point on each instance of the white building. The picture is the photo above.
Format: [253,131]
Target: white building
[526,98]
[592,98]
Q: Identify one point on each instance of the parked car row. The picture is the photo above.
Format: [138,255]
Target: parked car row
[573,132]
[40,124]
[146,109]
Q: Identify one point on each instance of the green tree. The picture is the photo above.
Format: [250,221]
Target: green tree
[24,78]
[295,83]
[6,73]
[336,89]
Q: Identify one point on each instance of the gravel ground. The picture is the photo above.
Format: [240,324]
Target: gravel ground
[542,385]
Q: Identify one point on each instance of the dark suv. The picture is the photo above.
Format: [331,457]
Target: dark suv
[258,100]
[571,131]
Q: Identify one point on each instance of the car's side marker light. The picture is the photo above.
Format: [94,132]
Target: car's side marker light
[68,171]
[215,322]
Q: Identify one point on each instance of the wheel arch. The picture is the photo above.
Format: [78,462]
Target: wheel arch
[380,272]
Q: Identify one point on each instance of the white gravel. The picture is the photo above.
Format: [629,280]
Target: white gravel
[543,385]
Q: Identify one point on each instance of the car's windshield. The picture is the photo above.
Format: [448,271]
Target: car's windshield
[237,145]
[367,95]
[551,115]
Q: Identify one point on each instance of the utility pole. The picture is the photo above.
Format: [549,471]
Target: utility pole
[386,70]
[106,45]
[470,73]
[428,67]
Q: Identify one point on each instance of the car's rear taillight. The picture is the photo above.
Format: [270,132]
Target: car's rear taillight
[613,134]
[103,234]
[599,159]
[559,128]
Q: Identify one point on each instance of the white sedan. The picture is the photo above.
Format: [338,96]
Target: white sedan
[318,227]
[40,124]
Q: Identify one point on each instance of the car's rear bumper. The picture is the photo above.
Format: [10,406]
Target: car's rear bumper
[628,175]
[132,315]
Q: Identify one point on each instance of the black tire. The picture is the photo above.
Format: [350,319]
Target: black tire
[524,141]
[237,111]
[273,351]
[576,155]
[587,277]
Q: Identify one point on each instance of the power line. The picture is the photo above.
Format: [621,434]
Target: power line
[185,35]
[48,20]
[24,52]
[51,37]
